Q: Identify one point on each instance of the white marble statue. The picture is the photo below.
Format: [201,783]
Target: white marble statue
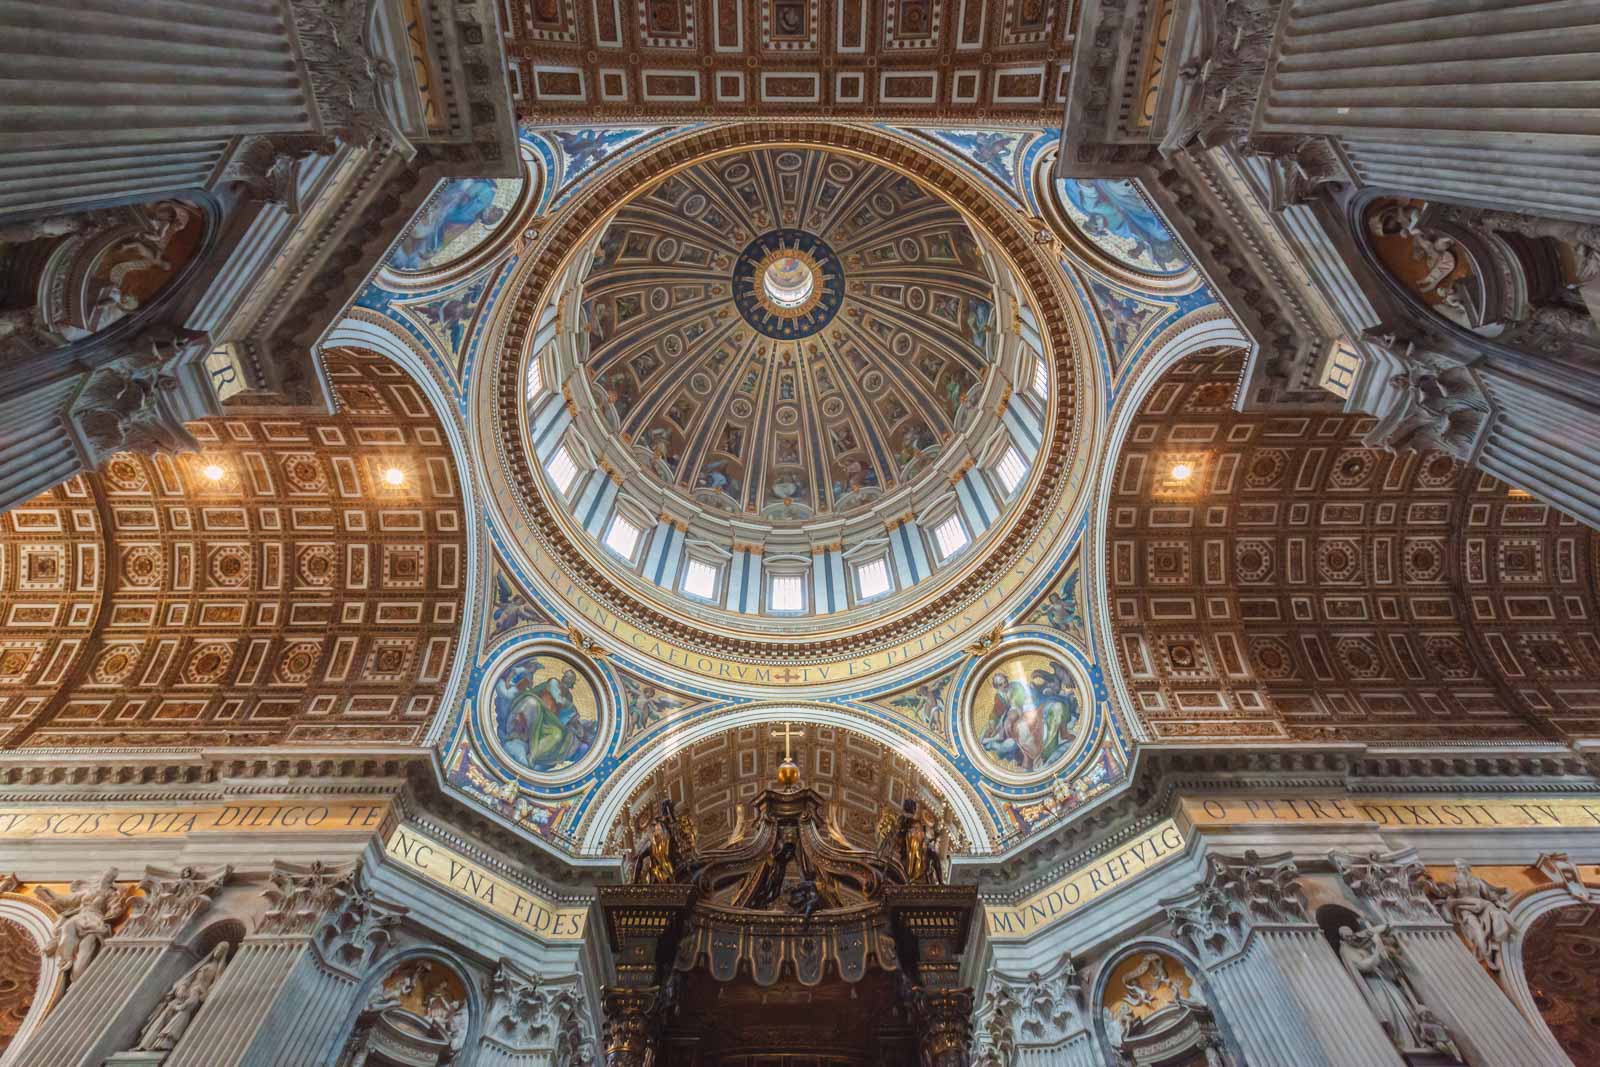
[1372,957]
[178,1007]
[1480,913]
[87,913]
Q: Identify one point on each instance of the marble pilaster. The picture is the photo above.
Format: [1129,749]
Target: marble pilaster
[1483,1021]
[1445,100]
[535,1022]
[289,990]
[1275,980]
[103,1011]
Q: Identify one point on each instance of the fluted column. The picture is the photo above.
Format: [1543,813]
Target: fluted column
[1277,984]
[1527,425]
[102,1012]
[1543,439]
[1490,1029]
[1476,101]
[291,985]
[110,98]
[1484,1023]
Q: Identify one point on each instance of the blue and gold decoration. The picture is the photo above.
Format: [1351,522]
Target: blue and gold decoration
[788,284]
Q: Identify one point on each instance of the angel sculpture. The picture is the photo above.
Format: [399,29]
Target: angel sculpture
[87,913]
[668,841]
[918,838]
[180,1003]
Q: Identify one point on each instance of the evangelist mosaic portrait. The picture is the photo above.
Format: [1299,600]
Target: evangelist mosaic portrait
[1113,214]
[545,713]
[1026,714]
[459,218]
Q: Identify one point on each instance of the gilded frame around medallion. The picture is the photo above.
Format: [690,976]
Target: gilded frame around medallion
[977,691]
[485,717]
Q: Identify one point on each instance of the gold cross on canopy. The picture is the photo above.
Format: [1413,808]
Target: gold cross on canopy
[786,733]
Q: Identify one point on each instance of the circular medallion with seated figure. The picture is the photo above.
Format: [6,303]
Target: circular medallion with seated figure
[1026,713]
[543,714]
[788,284]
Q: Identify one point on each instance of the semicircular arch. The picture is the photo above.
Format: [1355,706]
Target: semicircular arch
[939,772]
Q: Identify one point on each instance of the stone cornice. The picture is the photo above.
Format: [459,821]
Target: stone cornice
[1161,773]
[487,839]
[199,776]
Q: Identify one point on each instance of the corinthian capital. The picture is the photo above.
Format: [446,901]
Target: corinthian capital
[171,899]
[1238,893]
[1393,885]
[347,74]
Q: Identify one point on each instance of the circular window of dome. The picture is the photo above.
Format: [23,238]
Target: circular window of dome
[784,404]
[788,284]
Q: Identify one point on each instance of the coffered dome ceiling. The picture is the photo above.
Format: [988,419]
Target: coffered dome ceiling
[787,333]
[788,403]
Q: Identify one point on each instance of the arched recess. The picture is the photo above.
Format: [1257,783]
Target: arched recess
[1270,576]
[622,783]
[24,1000]
[1534,940]
[1205,331]
[1175,1025]
[415,1002]
[276,587]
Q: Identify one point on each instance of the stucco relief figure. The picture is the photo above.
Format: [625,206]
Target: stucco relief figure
[1480,913]
[1371,955]
[129,273]
[87,914]
[180,1003]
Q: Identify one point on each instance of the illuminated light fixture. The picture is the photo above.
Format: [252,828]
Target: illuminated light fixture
[394,476]
[1181,472]
[212,472]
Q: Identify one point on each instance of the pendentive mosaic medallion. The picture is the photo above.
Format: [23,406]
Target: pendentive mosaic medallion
[544,713]
[788,284]
[463,214]
[1025,714]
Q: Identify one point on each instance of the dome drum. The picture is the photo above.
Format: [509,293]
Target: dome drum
[850,440]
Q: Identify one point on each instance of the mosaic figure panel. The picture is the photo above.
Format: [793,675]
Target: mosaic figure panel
[545,713]
[1115,216]
[463,214]
[1026,712]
